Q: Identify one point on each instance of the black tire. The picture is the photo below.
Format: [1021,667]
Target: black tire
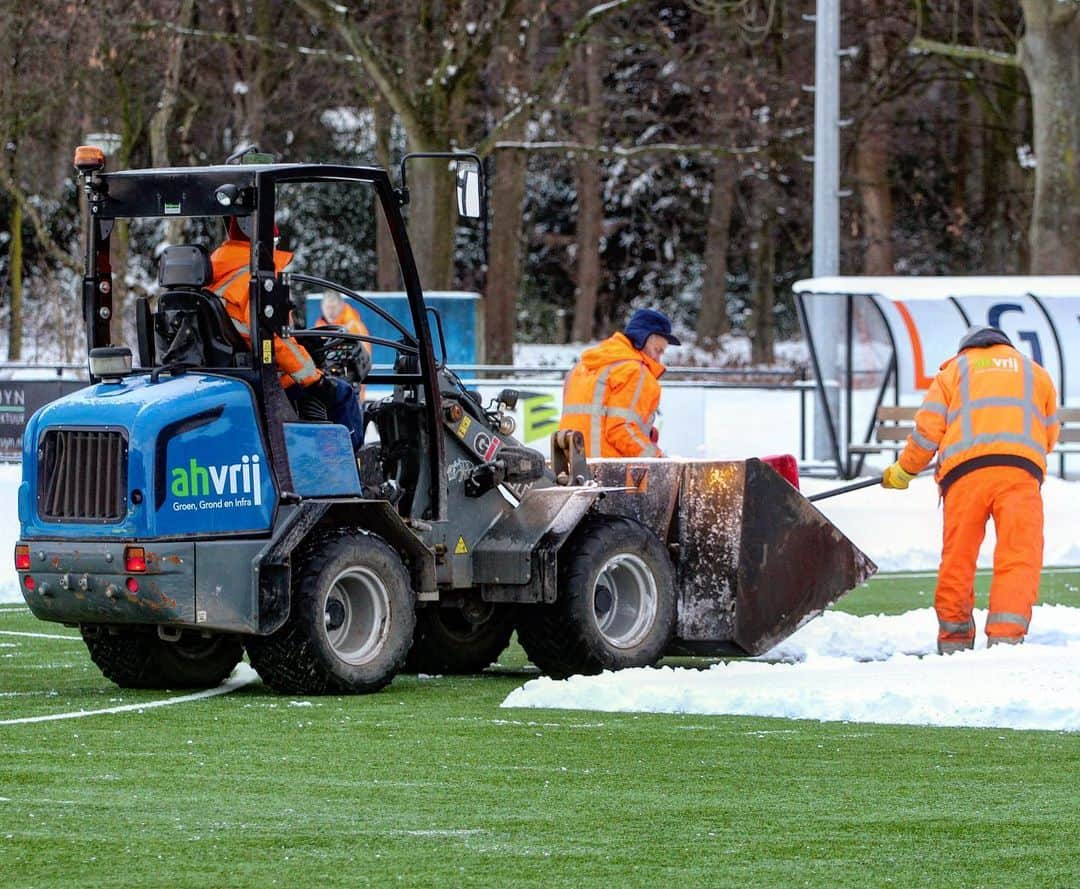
[459,640]
[139,658]
[350,623]
[616,605]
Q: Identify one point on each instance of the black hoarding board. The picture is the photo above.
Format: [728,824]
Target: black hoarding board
[18,401]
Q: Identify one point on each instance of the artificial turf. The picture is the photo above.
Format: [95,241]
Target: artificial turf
[431,783]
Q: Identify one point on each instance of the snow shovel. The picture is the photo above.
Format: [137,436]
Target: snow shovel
[854,486]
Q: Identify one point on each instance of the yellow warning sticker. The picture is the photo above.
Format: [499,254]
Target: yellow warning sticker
[461,549]
[268,351]
[463,426]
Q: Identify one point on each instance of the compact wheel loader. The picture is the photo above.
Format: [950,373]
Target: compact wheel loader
[181,511]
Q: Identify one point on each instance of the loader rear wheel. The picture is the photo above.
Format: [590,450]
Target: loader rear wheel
[616,605]
[139,658]
[459,640]
[351,621]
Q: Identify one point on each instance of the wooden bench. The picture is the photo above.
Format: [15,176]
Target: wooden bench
[894,423]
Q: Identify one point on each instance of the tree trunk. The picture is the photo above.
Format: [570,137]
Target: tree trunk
[1050,54]
[712,320]
[872,161]
[161,121]
[15,277]
[387,273]
[432,217]
[763,276]
[590,205]
[505,253]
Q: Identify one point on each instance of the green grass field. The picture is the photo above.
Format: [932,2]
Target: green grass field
[430,783]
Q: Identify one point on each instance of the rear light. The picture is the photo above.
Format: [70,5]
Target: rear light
[30,582]
[134,559]
[132,585]
[22,557]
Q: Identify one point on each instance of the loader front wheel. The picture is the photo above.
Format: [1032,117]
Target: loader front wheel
[616,605]
[351,621]
[139,658]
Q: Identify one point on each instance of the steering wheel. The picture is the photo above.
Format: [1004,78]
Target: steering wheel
[342,357]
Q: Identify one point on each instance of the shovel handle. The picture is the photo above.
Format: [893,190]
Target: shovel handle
[856,486]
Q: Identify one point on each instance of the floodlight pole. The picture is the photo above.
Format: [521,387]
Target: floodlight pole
[826,315]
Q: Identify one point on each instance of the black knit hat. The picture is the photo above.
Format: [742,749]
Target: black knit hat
[979,336]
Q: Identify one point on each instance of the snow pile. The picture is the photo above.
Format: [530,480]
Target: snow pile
[859,669]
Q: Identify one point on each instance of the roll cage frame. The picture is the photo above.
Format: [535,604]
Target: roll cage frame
[193,192]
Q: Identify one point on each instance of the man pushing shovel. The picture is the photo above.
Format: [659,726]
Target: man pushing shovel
[991,417]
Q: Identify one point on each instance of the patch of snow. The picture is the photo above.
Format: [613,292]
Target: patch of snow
[858,669]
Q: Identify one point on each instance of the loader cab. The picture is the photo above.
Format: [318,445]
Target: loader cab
[190,325]
[185,327]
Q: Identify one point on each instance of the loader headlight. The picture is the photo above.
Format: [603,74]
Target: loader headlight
[227,194]
[110,362]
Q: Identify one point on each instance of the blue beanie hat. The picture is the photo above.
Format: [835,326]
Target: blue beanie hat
[648,321]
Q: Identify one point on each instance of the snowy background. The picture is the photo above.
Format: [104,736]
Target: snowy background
[841,667]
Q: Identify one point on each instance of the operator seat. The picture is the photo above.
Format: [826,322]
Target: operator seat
[191,325]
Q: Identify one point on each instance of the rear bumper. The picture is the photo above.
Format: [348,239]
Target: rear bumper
[204,584]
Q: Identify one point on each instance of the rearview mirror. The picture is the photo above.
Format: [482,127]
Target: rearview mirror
[468,189]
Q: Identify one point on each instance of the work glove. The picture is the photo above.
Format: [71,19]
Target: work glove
[896,477]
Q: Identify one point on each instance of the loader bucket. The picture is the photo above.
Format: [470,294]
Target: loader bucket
[754,559]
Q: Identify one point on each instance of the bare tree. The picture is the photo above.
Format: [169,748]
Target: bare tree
[590,204]
[1050,55]
[872,153]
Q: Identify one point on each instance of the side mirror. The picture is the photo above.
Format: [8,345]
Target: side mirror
[468,189]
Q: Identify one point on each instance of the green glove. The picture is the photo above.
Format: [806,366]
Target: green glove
[896,477]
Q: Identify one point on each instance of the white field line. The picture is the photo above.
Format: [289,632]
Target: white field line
[40,635]
[238,681]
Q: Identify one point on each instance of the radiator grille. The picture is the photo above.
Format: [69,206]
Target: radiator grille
[82,475]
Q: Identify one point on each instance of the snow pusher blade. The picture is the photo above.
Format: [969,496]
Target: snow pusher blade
[754,559]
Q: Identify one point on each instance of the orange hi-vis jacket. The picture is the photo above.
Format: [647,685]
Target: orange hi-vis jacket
[611,397]
[350,320]
[232,278]
[988,406]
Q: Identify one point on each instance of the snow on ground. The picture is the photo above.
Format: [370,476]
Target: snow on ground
[859,669]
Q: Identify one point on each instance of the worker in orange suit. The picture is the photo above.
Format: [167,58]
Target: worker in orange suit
[232,278]
[613,393]
[319,397]
[335,311]
[991,417]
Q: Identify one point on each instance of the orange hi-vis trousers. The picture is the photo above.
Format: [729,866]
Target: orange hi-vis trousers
[1012,497]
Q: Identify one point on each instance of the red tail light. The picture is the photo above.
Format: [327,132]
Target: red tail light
[134,559]
[22,557]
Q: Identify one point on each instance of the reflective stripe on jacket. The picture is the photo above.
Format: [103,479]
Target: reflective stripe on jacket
[611,397]
[991,404]
[232,277]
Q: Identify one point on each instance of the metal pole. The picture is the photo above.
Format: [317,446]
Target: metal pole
[827,139]
[825,312]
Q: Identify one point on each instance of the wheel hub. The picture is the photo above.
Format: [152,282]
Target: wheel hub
[357,615]
[625,600]
[335,614]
